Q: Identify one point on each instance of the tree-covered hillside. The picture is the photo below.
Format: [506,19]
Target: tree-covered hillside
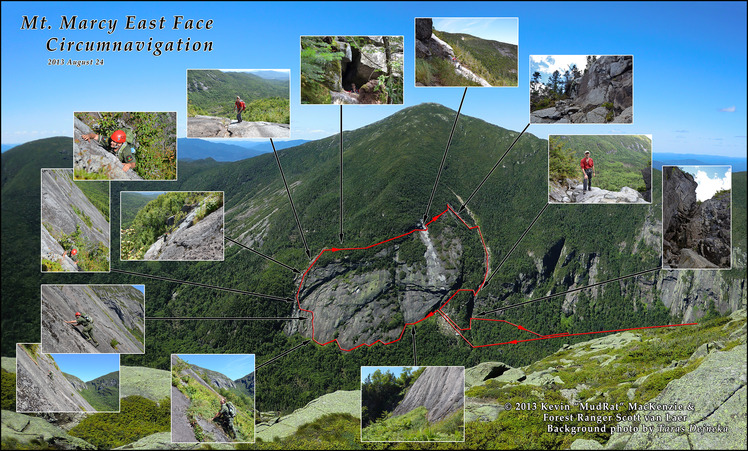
[389,171]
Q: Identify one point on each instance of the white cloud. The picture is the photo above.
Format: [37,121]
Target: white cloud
[547,64]
[730,109]
[708,186]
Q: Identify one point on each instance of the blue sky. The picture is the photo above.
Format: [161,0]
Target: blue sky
[140,288]
[234,366]
[502,29]
[689,63]
[87,367]
[396,370]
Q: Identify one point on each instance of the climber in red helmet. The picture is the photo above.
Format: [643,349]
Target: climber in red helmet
[120,143]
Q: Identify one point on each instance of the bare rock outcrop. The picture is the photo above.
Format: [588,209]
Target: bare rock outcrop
[573,192]
[117,311]
[202,240]
[90,157]
[696,234]
[42,387]
[221,127]
[603,94]
[440,389]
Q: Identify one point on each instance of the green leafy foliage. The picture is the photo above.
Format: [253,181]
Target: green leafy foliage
[138,418]
[8,391]
[98,194]
[152,220]
[414,427]
[382,391]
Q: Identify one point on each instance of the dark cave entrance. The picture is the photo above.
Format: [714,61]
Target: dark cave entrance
[350,71]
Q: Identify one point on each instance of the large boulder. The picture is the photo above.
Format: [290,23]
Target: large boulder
[424,29]
[29,431]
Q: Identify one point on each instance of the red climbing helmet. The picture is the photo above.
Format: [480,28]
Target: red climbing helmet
[74,252]
[77,313]
[119,137]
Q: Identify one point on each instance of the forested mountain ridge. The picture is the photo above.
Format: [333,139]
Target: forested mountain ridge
[390,168]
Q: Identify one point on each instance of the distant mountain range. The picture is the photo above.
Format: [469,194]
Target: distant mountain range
[660,159]
[198,149]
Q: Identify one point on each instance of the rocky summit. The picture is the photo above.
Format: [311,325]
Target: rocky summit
[576,194]
[603,94]
[697,234]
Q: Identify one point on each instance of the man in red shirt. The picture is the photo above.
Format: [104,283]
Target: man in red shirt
[588,171]
[240,107]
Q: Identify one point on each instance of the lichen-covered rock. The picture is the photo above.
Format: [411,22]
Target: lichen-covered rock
[25,429]
[338,402]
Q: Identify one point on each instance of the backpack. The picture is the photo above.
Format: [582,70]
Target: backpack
[243,105]
[88,319]
[231,409]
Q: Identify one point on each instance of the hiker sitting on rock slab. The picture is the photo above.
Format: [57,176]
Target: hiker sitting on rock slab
[226,417]
[87,323]
[121,143]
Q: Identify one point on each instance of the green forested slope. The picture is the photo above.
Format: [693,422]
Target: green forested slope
[390,167]
[493,60]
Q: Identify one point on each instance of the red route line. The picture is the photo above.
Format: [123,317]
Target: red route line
[449,321]
[334,249]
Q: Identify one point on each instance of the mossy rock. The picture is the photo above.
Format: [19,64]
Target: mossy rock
[314,93]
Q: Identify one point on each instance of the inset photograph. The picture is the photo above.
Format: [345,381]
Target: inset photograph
[467,51]
[171,226]
[599,169]
[697,217]
[75,223]
[213,398]
[413,404]
[65,382]
[581,89]
[352,70]
[93,319]
[238,103]
[125,146]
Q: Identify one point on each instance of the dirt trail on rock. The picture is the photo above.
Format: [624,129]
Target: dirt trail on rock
[181,431]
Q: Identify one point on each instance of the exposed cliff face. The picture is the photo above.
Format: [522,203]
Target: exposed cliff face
[37,391]
[440,389]
[201,240]
[65,207]
[607,81]
[117,311]
[697,235]
[360,296]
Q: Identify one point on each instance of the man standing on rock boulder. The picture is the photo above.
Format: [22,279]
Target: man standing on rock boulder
[87,323]
[588,171]
[240,107]
[120,143]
